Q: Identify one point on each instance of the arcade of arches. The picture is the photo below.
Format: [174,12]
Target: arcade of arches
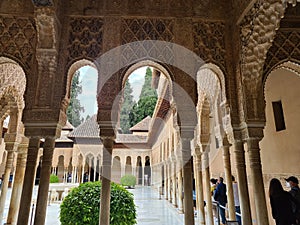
[227,76]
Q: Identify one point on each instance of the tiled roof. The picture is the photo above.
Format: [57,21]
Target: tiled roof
[130,138]
[88,128]
[143,125]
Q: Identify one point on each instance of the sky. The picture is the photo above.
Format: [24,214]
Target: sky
[88,79]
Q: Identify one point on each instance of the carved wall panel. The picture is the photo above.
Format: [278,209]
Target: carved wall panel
[85,38]
[209,42]
[18,38]
[136,31]
[286,46]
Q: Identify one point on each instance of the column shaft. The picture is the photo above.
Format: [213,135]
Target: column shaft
[174,185]
[180,189]
[18,182]
[243,183]
[207,188]
[34,144]
[199,189]
[258,185]
[166,193]
[169,182]
[228,177]
[187,183]
[7,171]
[106,179]
[41,206]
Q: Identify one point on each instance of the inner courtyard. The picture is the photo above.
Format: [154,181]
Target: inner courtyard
[227,79]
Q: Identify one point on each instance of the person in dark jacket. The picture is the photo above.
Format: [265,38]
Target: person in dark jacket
[281,204]
[221,197]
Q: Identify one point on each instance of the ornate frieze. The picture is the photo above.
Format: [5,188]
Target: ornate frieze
[85,38]
[209,41]
[39,3]
[18,38]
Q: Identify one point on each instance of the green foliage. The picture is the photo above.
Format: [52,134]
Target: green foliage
[74,109]
[147,102]
[126,108]
[82,204]
[54,179]
[128,180]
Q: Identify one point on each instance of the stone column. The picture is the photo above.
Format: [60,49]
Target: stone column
[243,183]
[18,182]
[180,189]
[41,205]
[210,219]
[123,165]
[143,174]
[166,193]
[187,182]
[169,181]
[10,147]
[106,179]
[34,144]
[228,178]
[257,181]
[199,186]
[82,172]
[175,194]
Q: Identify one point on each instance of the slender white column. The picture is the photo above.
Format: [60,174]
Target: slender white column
[18,182]
[228,177]
[210,220]
[242,181]
[10,147]
[106,179]
[41,206]
[257,178]
[34,144]
[199,186]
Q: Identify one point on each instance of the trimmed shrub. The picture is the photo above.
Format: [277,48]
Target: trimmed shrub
[54,179]
[129,181]
[81,206]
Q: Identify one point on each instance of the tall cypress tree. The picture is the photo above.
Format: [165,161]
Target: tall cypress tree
[126,108]
[147,101]
[74,109]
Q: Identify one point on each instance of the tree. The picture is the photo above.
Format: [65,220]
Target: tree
[147,101]
[126,108]
[74,109]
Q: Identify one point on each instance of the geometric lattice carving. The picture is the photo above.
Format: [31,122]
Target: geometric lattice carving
[42,2]
[18,38]
[135,31]
[286,45]
[209,41]
[85,38]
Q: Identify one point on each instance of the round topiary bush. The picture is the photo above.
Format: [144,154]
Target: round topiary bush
[81,206]
[129,181]
[54,179]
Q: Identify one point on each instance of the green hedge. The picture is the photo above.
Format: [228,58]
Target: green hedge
[54,179]
[129,181]
[82,204]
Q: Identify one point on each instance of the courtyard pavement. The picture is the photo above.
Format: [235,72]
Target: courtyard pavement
[150,209]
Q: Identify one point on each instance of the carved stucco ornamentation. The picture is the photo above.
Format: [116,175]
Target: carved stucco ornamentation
[138,30]
[12,82]
[18,38]
[209,41]
[47,30]
[85,38]
[286,46]
[257,32]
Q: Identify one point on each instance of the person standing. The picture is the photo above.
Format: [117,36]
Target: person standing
[236,200]
[293,183]
[281,204]
[221,197]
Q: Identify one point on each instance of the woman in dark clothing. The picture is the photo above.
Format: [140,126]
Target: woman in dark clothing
[281,204]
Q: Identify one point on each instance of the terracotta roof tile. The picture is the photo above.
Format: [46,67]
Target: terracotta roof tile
[143,125]
[88,128]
